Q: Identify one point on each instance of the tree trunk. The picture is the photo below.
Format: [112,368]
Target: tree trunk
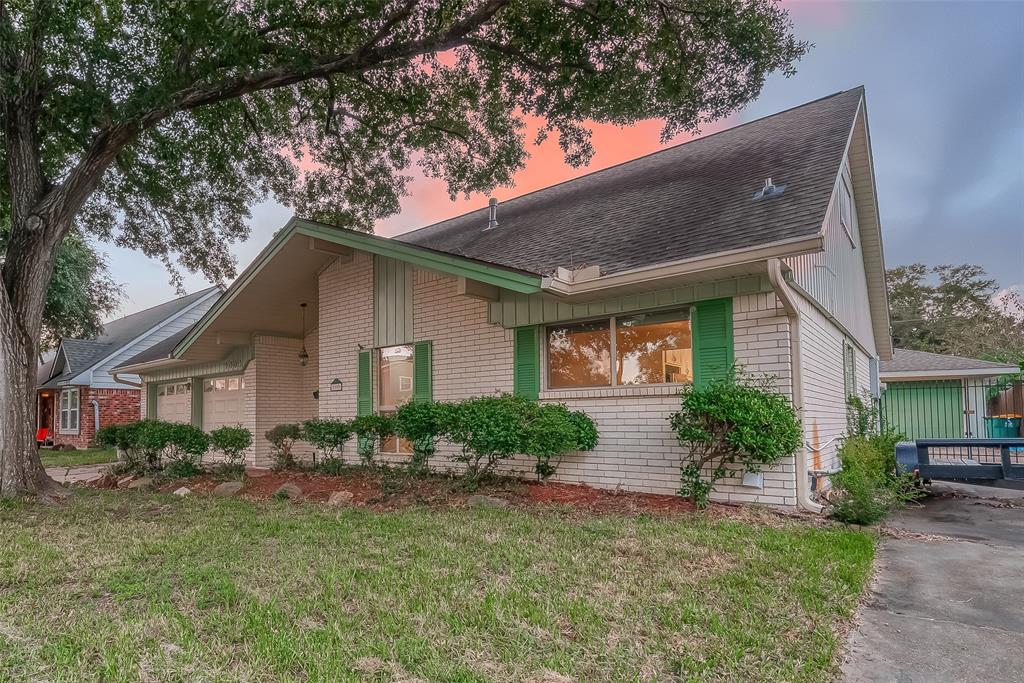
[21,472]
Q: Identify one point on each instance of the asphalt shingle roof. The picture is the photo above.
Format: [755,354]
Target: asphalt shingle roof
[158,351]
[82,354]
[691,200]
[905,360]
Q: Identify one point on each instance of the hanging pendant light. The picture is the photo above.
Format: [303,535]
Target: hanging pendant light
[303,355]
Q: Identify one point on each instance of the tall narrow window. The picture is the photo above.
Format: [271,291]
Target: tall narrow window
[849,369]
[395,379]
[69,410]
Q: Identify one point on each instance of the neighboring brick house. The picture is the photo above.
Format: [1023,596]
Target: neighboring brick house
[607,293]
[77,391]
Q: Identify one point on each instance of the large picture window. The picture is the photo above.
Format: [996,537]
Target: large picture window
[395,379]
[646,348]
[69,410]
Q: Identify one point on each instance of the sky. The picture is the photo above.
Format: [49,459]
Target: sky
[945,98]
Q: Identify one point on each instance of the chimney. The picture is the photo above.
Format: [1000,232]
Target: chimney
[492,213]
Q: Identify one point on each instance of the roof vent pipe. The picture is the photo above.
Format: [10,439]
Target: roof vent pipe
[492,213]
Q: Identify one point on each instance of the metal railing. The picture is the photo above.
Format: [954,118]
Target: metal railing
[954,409]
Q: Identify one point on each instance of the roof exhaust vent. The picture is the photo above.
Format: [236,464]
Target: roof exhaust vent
[770,189]
[492,213]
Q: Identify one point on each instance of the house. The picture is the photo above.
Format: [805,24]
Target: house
[78,391]
[758,246]
[936,396]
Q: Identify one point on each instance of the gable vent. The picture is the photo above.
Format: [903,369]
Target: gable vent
[770,189]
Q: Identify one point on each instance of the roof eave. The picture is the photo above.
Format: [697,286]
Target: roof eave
[897,375]
[661,272]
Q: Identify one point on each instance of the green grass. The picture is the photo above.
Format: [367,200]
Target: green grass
[118,586]
[87,456]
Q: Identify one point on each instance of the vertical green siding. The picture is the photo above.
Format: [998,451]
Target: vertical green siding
[925,410]
[197,402]
[423,372]
[392,301]
[364,384]
[526,371]
[151,401]
[712,340]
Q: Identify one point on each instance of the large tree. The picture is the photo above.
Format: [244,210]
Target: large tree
[81,291]
[957,310]
[156,123]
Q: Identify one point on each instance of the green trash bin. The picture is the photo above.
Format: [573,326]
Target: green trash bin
[1003,426]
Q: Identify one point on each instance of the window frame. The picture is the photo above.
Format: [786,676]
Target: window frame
[69,392]
[613,349]
[846,209]
[849,369]
[382,409]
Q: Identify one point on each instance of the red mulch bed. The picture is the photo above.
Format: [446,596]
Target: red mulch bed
[382,491]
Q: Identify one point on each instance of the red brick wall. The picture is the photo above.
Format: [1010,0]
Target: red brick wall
[117,406]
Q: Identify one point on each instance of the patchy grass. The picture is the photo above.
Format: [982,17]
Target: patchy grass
[116,586]
[87,456]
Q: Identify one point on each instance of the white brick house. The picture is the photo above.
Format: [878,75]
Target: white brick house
[606,293]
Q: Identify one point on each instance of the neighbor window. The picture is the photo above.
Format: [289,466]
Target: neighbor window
[646,348]
[394,380]
[69,410]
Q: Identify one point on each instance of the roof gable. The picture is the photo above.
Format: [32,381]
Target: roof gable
[908,361]
[682,203]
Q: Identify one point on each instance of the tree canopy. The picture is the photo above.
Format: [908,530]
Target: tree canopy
[955,310]
[323,103]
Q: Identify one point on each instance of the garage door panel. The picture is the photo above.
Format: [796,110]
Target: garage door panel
[174,402]
[223,402]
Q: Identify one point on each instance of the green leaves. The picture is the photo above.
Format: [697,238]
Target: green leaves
[323,104]
[736,421]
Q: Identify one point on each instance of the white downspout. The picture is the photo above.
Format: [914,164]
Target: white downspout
[788,299]
[95,415]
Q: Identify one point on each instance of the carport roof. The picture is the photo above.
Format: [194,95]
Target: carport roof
[909,363]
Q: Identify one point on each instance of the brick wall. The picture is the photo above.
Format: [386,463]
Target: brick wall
[637,450]
[117,406]
[282,389]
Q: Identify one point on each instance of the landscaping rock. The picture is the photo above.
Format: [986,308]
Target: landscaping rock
[339,498]
[488,502]
[183,491]
[141,484]
[288,490]
[228,488]
[124,481]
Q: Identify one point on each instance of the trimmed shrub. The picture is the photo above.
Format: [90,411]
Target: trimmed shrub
[372,431]
[327,436]
[232,443]
[488,429]
[282,439]
[738,420]
[422,423]
[185,448]
[332,466]
[551,430]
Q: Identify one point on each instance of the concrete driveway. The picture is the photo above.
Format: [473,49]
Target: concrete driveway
[948,600]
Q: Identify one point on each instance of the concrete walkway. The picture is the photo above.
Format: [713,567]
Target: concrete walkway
[950,608]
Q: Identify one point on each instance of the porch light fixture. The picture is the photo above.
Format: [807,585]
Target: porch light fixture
[303,355]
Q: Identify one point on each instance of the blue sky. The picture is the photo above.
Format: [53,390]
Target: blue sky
[945,93]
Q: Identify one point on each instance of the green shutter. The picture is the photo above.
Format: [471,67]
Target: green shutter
[526,372]
[364,384]
[712,340]
[151,401]
[422,372]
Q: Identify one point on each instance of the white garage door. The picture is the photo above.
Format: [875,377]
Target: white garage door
[174,402]
[222,402]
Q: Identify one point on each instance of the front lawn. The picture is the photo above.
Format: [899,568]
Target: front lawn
[117,586]
[88,456]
